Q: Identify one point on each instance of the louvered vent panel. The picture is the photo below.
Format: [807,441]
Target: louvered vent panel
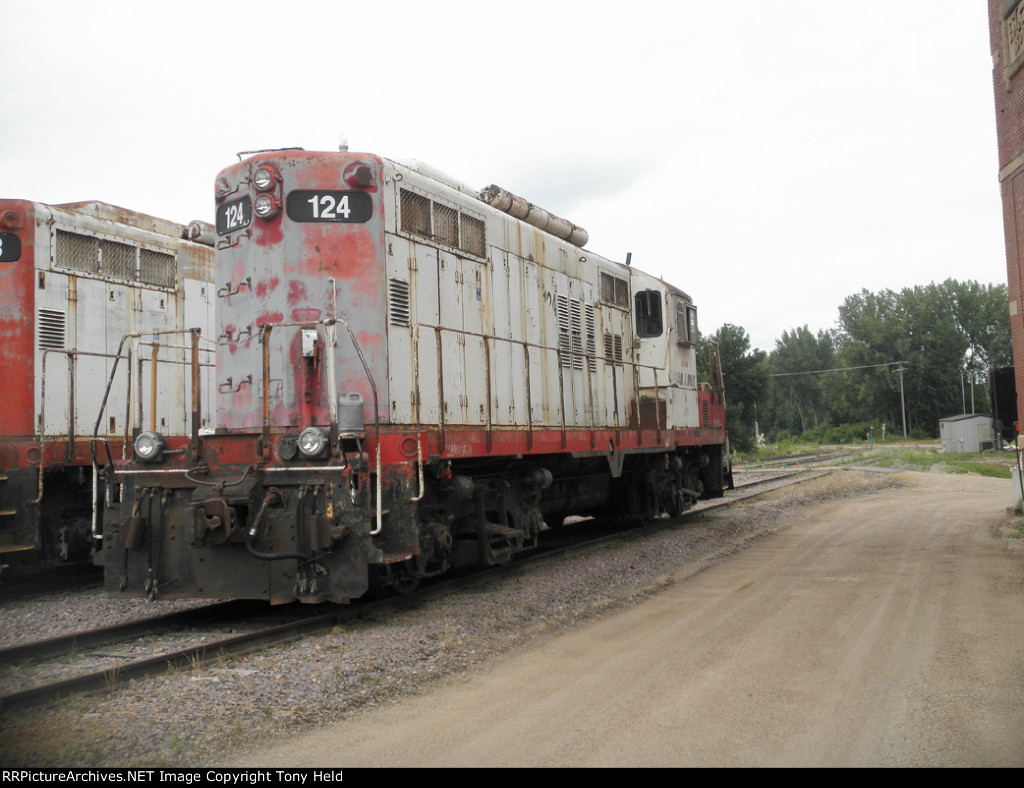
[588,312]
[398,302]
[577,333]
[52,329]
[564,328]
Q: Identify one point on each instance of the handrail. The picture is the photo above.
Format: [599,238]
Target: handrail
[328,324]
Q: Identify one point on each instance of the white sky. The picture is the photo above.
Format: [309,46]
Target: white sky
[769,157]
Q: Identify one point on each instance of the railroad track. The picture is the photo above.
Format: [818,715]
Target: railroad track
[104,659]
[814,458]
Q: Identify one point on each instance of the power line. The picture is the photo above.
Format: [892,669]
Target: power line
[839,369]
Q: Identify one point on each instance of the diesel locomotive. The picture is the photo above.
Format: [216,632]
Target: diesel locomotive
[74,280]
[411,375]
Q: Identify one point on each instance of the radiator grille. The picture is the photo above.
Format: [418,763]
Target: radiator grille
[472,239]
[79,252]
[114,259]
[117,260]
[446,225]
[156,268]
[441,223]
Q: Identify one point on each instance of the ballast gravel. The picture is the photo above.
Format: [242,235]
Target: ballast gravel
[200,717]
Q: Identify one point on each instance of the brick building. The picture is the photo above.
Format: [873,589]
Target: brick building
[1006,29]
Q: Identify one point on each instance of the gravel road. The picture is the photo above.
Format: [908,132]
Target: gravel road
[820,626]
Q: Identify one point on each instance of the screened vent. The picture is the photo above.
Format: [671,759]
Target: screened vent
[80,252]
[613,348]
[398,302]
[614,291]
[415,213]
[156,268]
[572,326]
[472,239]
[52,329]
[117,260]
[446,225]
[114,259]
[705,413]
[441,223]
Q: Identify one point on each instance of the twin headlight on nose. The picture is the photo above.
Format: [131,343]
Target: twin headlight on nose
[311,445]
[268,203]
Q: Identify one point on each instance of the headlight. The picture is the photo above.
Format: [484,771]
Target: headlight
[149,447]
[263,179]
[312,442]
[266,206]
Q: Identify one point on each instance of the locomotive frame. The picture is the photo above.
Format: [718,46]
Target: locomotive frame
[74,279]
[411,376]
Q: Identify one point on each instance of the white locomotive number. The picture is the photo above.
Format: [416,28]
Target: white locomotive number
[322,205]
[234,215]
[325,207]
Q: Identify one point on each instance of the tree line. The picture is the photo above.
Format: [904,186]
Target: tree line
[920,354]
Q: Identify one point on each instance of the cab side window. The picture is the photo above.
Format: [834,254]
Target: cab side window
[686,323]
[649,321]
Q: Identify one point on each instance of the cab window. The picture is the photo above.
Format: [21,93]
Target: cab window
[648,314]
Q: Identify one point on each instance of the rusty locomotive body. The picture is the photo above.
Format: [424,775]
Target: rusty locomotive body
[410,375]
[74,280]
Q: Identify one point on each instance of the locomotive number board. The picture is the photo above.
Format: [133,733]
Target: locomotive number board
[234,215]
[10,247]
[328,206]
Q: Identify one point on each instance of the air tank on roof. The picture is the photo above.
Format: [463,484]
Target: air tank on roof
[516,206]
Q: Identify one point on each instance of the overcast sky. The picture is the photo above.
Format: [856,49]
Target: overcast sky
[769,157]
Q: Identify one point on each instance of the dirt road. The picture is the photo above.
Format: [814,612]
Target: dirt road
[886,630]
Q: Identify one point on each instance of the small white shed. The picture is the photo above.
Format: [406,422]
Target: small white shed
[970,433]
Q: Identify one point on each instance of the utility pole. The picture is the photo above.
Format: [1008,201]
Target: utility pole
[903,408]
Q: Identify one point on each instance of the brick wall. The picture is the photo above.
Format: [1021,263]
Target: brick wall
[1006,28]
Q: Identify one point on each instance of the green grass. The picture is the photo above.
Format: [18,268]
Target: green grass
[993,464]
[996,465]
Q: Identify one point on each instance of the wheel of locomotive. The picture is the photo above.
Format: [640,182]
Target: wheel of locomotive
[404,581]
[405,584]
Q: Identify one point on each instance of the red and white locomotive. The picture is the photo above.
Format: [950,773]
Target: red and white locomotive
[410,376]
[74,280]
